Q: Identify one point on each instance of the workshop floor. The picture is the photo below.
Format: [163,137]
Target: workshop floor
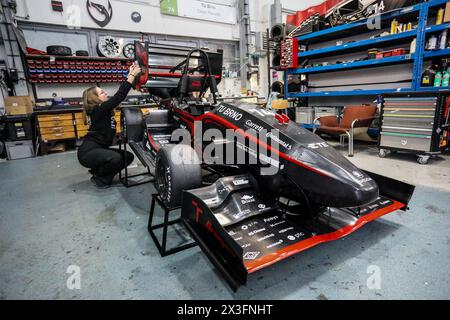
[52,217]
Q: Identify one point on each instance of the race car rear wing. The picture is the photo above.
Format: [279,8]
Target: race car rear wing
[241,232]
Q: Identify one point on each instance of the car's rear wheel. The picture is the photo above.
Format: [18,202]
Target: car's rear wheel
[177,169]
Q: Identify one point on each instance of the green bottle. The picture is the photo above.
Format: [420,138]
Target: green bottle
[438,79]
[446,78]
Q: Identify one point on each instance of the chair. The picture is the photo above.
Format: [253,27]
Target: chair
[353,117]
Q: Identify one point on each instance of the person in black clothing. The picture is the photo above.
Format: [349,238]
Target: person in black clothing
[95,152]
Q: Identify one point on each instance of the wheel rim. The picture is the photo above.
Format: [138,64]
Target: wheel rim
[162,181]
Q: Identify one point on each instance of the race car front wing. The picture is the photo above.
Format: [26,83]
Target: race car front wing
[241,232]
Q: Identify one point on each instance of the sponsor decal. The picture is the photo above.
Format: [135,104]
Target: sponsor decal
[221,189]
[251,125]
[246,149]
[241,214]
[246,245]
[295,236]
[318,145]
[271,219]
[261,206]
[251,255]
[285,230]
[244,227]
[252,233]
[279,141]
[245,199]
[274,244]
[240,182]
[230,113]
[277,223]
[237,239]
[266,237]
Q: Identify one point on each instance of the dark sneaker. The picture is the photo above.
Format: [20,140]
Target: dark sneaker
[99,184]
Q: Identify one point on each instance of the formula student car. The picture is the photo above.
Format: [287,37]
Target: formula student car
[292,192]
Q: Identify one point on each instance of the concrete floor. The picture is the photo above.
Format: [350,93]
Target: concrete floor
[52,217]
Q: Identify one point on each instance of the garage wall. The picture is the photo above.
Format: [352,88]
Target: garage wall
[152,20]
[43,27]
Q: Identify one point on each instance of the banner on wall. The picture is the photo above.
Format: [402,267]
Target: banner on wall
[199,10]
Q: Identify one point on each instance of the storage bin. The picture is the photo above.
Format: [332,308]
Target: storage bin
[19,149]
[18,128]
[304,115]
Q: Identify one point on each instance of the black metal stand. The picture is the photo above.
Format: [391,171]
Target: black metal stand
[125,179]
[162,246]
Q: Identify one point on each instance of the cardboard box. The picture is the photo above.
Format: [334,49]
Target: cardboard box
[447,12]
[18,105]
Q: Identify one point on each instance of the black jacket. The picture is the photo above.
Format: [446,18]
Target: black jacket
[103,123]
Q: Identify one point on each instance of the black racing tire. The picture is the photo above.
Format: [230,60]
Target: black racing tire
[82,53]
[59,51]
[178,168]
[132,124]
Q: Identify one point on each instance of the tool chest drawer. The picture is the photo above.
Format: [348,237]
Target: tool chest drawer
[57,136]
[60,129]
[55,117]
[406,141]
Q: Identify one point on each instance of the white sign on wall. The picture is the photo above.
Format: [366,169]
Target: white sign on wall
[199,10]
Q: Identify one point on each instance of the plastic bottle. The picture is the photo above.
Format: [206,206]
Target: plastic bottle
[440,16]
[443,40]
[428,77]
[432,43]
[446,78]
[394,25]
[438,79]
[413,46]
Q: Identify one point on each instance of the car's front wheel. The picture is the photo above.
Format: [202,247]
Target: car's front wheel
[178,168]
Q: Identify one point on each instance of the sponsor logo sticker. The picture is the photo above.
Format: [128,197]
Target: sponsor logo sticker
[251,255]
[245,199]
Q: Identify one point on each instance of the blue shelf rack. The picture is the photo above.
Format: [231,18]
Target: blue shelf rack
[420,33]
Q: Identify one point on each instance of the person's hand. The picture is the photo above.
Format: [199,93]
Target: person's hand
[134,70]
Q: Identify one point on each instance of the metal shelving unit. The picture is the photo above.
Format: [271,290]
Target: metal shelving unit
[355,65]
[420,10]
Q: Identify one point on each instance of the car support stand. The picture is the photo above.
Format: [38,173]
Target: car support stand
[162,247]
[126,179]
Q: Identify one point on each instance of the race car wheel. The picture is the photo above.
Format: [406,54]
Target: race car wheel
[423,160]
[59,51]
[109,47]
[177,169]
[382,153]
[132,124]
[128,51]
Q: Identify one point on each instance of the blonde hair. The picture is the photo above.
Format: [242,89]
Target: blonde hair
[90,101]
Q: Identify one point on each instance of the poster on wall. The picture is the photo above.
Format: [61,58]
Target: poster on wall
[201,10]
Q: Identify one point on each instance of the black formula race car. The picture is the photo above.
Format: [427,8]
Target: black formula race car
[289,192]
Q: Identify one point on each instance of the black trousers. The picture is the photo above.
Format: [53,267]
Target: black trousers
[104,163]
